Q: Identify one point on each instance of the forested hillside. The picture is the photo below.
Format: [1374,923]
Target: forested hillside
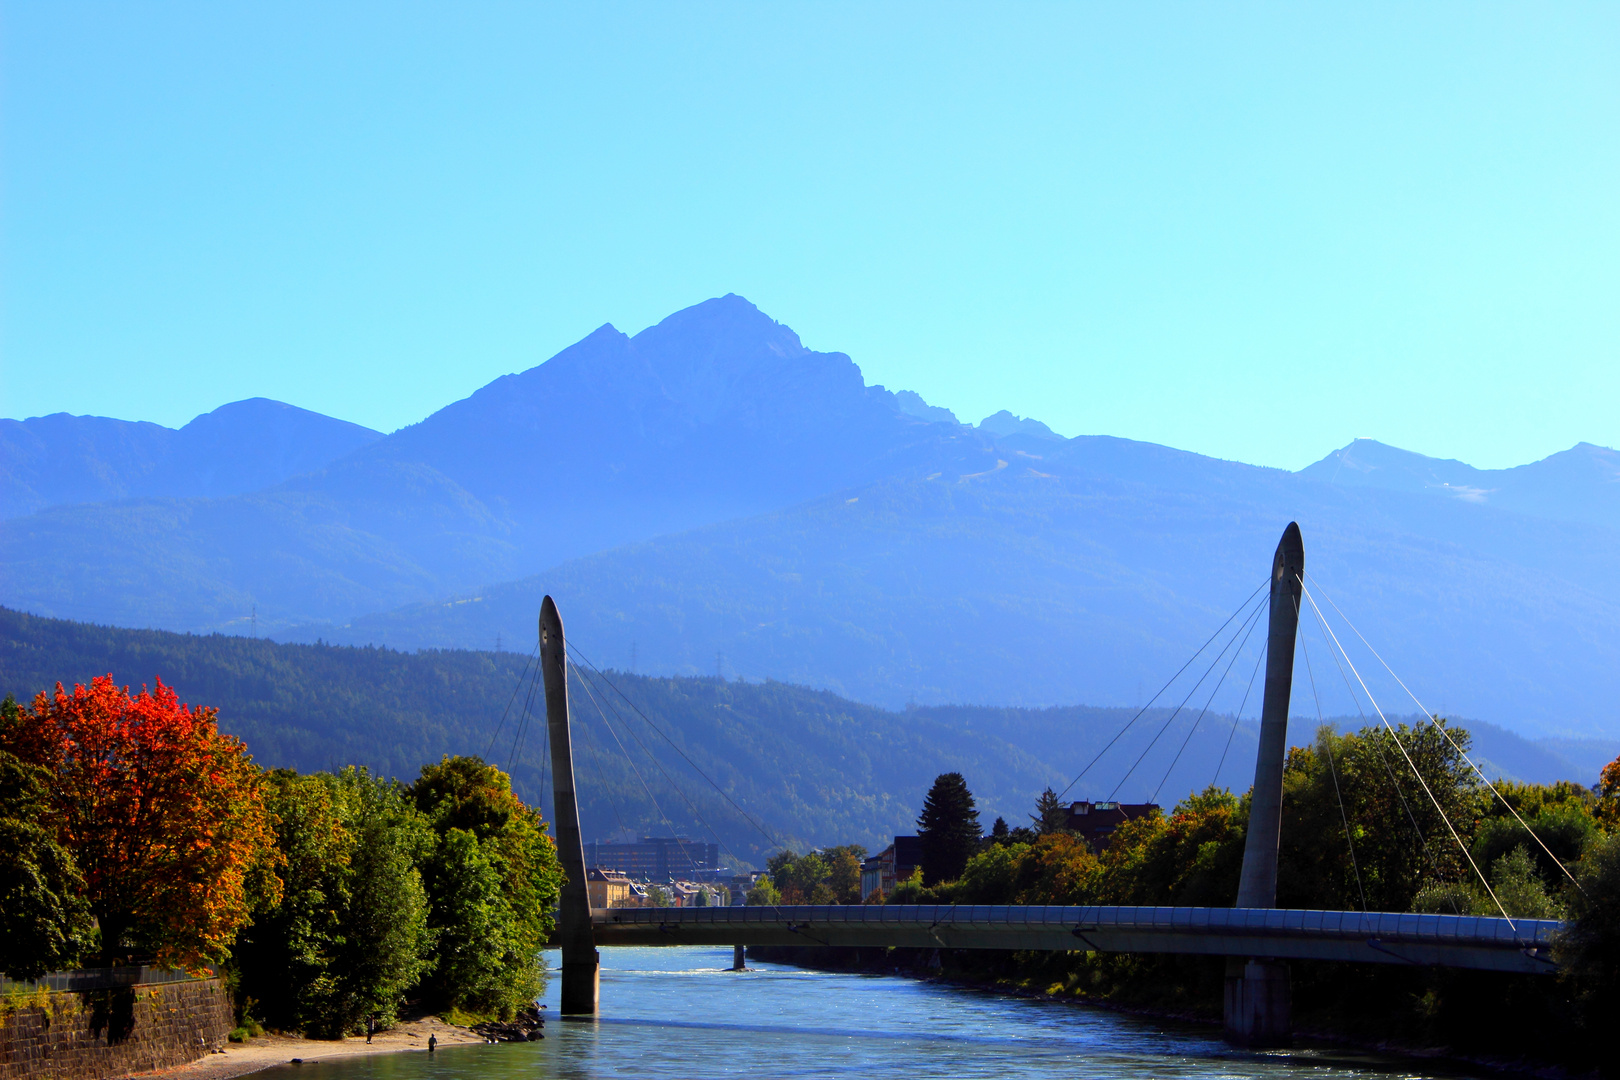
[811,767]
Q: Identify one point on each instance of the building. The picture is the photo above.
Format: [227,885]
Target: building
[656,858]
[739,885]
[891,866]
[1096,821]
[609,888]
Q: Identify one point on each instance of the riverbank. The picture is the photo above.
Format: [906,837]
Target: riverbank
[269,1051]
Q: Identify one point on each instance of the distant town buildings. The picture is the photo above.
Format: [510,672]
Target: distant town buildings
[657,858]
[609,888]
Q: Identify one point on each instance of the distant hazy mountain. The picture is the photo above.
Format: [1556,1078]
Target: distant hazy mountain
[61,459]
[710,485]
[717,412]
[1578,484]
[1090,574]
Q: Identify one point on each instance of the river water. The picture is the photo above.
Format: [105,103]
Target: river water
[677,1012]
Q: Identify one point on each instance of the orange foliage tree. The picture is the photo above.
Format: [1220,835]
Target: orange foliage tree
[164,815]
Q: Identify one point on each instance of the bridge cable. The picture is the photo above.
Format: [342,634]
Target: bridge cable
[1254,621]
[525,718]
[1441,728]
[645,719]
[1240,608]
[515,688]
[1215,662]
[645,787]
[1327,744]
[1216,779]
[598,752]
[690,805]
[1383,759]
[1426,790]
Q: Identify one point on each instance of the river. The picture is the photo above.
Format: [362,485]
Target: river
[677,1012]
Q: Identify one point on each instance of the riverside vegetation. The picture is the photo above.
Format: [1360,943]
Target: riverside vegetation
[132,830]
[1358,834]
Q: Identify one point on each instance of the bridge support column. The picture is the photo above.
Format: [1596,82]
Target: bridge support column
[1258,1003]
[1257,994]
[739,961]
[581,986]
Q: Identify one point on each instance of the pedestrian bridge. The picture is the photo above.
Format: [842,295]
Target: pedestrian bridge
[1456,941]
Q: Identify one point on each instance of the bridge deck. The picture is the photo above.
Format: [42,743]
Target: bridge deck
[1486,944]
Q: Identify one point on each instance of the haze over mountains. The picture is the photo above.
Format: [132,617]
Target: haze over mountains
[60,459]
[711,486]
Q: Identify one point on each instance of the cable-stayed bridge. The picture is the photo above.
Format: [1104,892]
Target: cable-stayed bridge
[1459,941]
[1255,936]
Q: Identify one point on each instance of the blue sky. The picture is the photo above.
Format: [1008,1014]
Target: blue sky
[1254,231]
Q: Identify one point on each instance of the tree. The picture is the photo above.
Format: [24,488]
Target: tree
[947,829]
[348,936]
[999,833]
[844,872]
[44,921]
[1608,789]
[1588,952]
[486,834]
[1051,813]
[477,968]
[163,815]
[801,879]
[763,893]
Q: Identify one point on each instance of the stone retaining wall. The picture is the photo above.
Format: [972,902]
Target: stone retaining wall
[90,1034]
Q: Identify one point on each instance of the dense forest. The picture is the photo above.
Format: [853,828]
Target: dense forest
[809,767]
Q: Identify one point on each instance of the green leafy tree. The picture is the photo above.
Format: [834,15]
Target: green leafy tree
[492,886]
[1588,952]
[844,872]
[476,969]
[348,937]
[1563,827]
[763,893]
[1399,839]
[386,941]
[801,879]
[1520,889]
[44,918]
[947,829]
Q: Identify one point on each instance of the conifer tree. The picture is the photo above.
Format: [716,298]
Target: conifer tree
[1051,814]
[948,829]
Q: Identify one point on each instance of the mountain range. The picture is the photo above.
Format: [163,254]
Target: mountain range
[709,492]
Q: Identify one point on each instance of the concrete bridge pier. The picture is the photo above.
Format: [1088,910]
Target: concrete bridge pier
[1259,1003]
[1258,1000]
[581,978]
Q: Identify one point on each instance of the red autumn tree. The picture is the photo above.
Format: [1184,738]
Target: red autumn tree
[164,815]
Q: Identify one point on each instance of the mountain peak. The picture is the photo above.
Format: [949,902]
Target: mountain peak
[1004,423]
